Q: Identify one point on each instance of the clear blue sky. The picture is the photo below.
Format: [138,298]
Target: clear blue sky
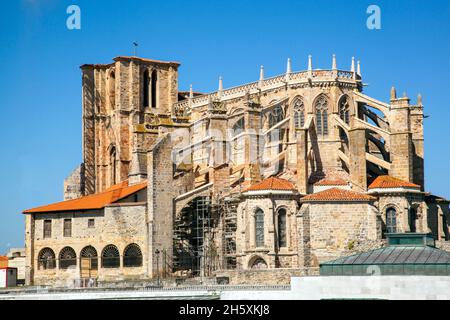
[40,82]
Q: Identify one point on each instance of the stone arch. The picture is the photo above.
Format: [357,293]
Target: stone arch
[46,259]
[298,111]
[67,258]
[110,257]
[257,262]
[132,256]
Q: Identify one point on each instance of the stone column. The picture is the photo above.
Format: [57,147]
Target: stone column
[401,140]
[29,249]
[357,160]
[252,119]
[160,192]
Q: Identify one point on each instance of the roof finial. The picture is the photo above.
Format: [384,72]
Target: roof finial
[261,73]
[393,93]
[334,65]
[352,68]
[419,100]
[358,70]
[405,95]
[219,92]
[288,66]
[191,93]
[310,63]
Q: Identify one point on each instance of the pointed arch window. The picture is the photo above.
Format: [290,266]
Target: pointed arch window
[238,127]
[145,88]
[344,109]
[299,113]
[276,115]
[112,90]
[321,107]
[259,228]
[154,88]
[113,164]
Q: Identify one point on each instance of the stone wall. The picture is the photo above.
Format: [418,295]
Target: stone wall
[74,184]
[265,277]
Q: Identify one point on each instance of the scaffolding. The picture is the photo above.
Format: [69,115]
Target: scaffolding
[229,222]
[194,252]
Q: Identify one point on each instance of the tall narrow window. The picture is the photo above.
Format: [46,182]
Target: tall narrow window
[238,127]
[344,109]
[299,113]
[154,88]
[282,232]
[113,165]
[259,228]
[112,90]
[321,107]
[47,228]
[391,220]
[145,88]
[67,227]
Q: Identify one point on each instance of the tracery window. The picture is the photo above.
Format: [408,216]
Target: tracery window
[46,259]
[321,107]
[110,257]
[299,113]
[145,88]
[67,258]
[259,228]
[132,256]
[276,115]
[344,109]
[154,88]
[238,127]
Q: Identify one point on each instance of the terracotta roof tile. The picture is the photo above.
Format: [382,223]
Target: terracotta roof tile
[336,194]
[331,182]
[391,182]
[272,183]
[94,201]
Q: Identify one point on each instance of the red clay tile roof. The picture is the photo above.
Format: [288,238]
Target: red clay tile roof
[391,182]
[336,194]
[331,182]
[94,201]
[272,183]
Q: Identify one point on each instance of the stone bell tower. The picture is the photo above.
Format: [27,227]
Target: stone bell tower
[118,99]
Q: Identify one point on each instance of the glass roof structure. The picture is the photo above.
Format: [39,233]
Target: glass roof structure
[406,254]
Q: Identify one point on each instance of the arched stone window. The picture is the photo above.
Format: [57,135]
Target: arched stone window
[282,228]
[259,228]
[67,258]
[412,219]
[110,257]
[132,256]
[276,115]
[46,259]
[299,113]
[154,88]
[321,107]
[258,263]
[112,90]
[391,220]
[89,258]
[146,88]
[238,127]
[344,109]
[113,164]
